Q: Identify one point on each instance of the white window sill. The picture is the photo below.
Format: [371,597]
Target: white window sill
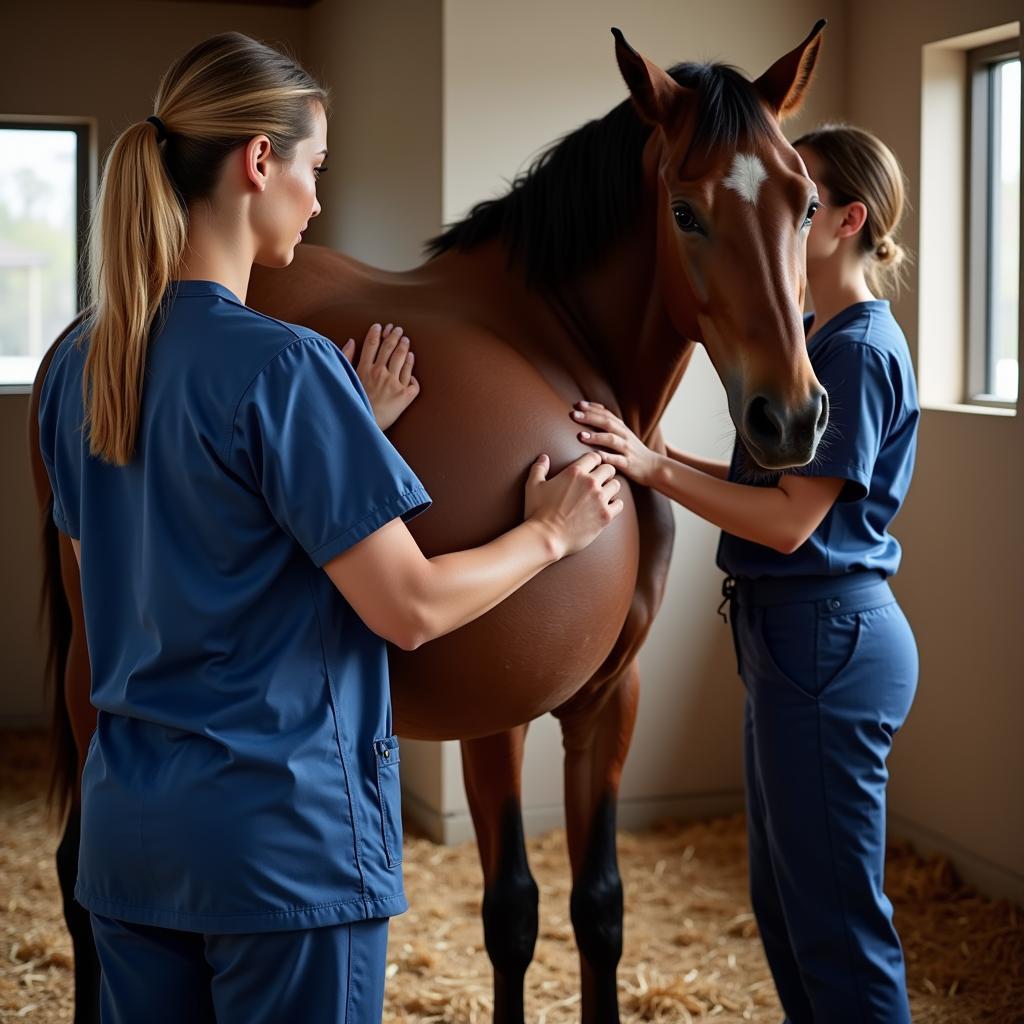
[977,410]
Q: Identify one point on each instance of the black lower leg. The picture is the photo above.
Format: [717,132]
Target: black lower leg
[596,910]
[87,964]
[510,919]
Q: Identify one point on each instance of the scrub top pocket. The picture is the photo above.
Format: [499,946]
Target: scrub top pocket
[389,793]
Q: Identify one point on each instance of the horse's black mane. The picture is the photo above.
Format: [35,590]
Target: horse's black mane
[562,214]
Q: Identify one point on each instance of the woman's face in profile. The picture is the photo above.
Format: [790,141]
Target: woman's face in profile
[821,239]
[289,201]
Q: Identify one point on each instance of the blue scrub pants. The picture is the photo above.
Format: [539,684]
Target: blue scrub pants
[333,974]
[830,667]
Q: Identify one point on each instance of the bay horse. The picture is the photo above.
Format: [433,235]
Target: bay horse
[678,218]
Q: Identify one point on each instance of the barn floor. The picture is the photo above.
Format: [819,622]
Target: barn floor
[692,951]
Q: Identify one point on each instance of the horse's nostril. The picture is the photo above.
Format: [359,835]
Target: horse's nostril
[763,421]
[823,415]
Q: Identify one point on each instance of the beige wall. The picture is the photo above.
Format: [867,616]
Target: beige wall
[382,60]
[958,764]
[103,59]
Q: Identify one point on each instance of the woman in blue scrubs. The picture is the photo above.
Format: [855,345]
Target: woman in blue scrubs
[825,653]
[239,520]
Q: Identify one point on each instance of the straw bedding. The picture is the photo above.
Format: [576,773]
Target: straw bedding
[692,951]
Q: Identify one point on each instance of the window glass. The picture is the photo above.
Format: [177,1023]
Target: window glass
[1004,231]
[38,245]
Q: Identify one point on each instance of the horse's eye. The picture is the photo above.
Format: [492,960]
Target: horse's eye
[811,211]
[685,220]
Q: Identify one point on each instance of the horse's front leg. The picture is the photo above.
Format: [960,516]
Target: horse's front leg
[492,769]
[597,728]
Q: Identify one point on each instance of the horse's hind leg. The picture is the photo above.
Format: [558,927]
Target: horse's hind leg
[87,964]
[597,728]
[492,768]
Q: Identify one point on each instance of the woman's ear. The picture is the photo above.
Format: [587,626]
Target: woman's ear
[257,153]
[854,218]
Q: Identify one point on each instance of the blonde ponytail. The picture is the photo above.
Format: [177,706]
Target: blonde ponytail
[139,228]
[222,93]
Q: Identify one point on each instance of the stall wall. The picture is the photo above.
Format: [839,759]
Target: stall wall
[381,196]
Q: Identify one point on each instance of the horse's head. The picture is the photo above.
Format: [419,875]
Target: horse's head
[734,208]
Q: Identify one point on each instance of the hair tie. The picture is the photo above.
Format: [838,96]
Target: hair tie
[161,128]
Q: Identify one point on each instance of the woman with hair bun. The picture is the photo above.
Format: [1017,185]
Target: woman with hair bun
[827,657]
[239,521]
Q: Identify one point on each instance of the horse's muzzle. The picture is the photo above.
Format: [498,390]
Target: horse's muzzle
[779,437]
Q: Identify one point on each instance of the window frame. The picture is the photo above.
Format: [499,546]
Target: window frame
[978,248]
[85,172]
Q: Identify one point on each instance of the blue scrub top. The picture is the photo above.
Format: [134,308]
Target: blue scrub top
[861,358]
[243,776]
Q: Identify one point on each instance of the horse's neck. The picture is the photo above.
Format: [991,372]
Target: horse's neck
[616,311]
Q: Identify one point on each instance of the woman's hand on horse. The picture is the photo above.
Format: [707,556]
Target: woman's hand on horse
[385,369]
[577,504]
[623,449]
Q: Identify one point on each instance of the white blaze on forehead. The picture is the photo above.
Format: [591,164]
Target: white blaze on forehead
[746,176]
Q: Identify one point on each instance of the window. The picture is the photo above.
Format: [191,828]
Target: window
[994,224]
[44,193]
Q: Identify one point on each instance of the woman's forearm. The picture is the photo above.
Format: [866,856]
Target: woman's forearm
[458,587]
[713,467]
[410,599]
[780,517]
[760,514]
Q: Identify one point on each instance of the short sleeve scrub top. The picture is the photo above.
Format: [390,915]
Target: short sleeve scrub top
[243,775]
[862,360]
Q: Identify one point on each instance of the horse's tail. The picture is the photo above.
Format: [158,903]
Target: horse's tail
[54,608]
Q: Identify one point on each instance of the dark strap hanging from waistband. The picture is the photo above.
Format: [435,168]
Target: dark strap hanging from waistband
[728,595]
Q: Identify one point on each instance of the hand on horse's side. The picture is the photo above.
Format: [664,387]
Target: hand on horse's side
[626,452]
[385,369]
[577,504]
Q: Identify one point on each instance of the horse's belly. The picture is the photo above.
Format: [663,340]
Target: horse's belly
[483,416]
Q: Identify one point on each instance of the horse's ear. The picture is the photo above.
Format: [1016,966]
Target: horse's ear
[655,93]
[784,84]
